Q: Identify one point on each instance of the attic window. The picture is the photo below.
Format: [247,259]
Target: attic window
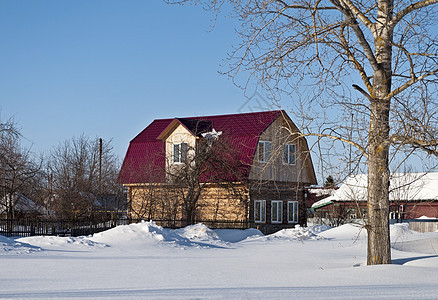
[289,154]
[264,149]
[179,153]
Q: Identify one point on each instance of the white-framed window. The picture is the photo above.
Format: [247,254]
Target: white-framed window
[351,213]
[364,213]
[289,154]
[292,211]
[180,152]
[277,211]
[264,149]
[394,215]
[260,211]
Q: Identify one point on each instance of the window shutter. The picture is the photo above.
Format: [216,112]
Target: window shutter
[286,154]
[292,154]
[184,148]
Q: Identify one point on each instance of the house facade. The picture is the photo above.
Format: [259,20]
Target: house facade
[250,169]
[412,196]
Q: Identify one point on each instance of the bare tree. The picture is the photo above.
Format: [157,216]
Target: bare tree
[173,193]
[83,173]
[329,182]
[9,128]
[18,171]
[211,161]
[146,203]
[385,49]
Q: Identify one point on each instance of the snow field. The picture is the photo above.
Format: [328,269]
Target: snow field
[146,261]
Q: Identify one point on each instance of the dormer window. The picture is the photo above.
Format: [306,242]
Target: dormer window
[264,149]
[180,153]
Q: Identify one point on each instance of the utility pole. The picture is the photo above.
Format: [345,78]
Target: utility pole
[100,166]
[351,137]
[100,175]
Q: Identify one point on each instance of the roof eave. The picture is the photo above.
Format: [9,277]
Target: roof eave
[171,127]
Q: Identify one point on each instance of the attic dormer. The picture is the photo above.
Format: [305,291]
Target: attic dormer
[179,141]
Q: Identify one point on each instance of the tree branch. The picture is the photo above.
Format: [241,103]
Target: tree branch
[361,90]
[352,22]
[409,83]
[401,14]
[358,14]
[357,65]
[424,145]
[337,138]
[296,6]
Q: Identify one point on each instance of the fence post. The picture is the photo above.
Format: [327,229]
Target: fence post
[32,229]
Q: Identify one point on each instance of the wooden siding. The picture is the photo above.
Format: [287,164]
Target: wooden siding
[153,201]
[278,192]
[279,134]
[424,226]
[216,203]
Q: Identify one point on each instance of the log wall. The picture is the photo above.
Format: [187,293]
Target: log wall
[216,203]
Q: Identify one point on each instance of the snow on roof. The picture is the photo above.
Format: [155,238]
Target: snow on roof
[319,192]
[403,187]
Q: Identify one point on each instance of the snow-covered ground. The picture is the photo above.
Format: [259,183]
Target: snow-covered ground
[145,261]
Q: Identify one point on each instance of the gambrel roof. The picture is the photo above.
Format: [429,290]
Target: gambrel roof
[145,161]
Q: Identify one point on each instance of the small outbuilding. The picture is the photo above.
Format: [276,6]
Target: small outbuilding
[411,196]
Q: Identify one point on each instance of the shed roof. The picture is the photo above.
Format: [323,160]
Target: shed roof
[403,187]
[145,158]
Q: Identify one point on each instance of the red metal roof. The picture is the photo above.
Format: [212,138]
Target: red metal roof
[145,161]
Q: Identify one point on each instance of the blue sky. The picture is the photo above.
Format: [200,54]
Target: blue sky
[107,68]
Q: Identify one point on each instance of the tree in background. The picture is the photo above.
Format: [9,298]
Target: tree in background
[83,174]
[18,171]
[329,182]
[317,50]
[151,198]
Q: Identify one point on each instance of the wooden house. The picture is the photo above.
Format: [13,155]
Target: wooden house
[269,167]
[412,195]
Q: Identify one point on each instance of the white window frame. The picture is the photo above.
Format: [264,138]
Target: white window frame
[295,211]
[264,151]
[288,154]
[277,210]
[351,213]
[394,215]
[178,158]
[261,211]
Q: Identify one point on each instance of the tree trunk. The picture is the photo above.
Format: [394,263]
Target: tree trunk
[379,250]
[379,247]
[189,207]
